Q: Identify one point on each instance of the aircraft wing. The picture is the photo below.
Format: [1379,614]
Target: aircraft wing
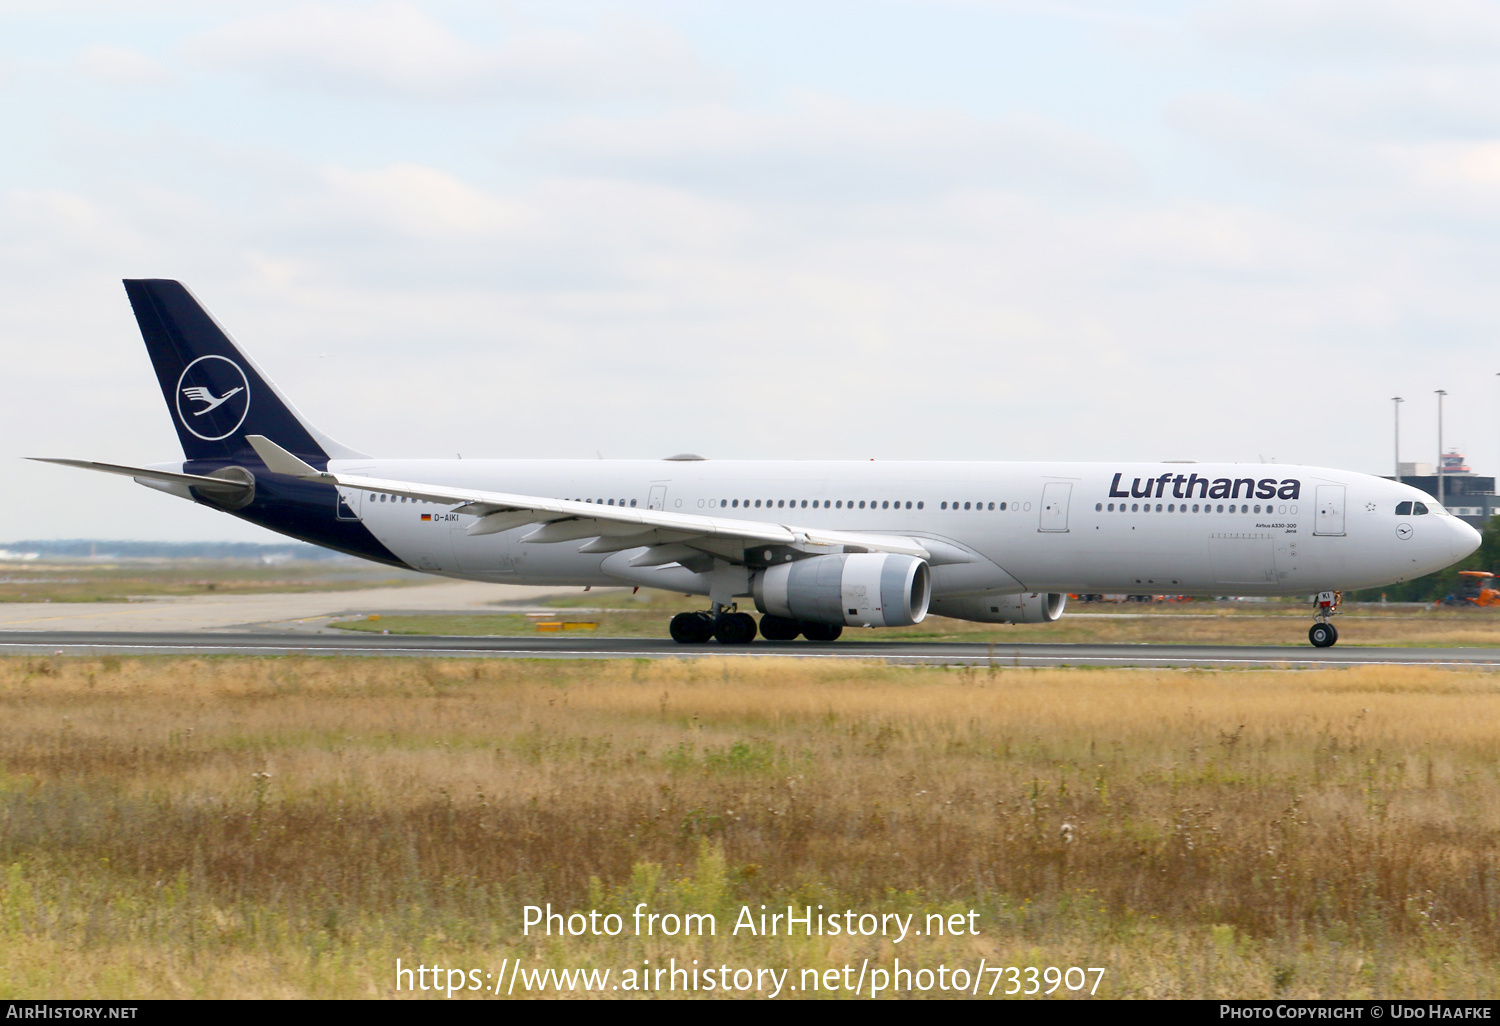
[671,537]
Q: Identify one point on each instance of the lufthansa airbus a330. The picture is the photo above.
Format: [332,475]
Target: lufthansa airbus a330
[818,546]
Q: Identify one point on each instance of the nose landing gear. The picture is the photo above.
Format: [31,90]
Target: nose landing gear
[1323,634]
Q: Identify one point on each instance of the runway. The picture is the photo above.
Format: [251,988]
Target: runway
[270,643]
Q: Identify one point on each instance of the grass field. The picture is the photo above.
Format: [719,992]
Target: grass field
[286,827]
[620,614]
[104,581]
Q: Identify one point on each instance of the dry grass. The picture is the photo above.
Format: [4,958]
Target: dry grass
[58,581]
[1325,833]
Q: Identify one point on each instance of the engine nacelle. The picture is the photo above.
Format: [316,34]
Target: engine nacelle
[1027,607]
[858,589]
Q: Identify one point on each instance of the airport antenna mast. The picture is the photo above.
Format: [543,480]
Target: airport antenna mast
[1441,500]
[1396,401]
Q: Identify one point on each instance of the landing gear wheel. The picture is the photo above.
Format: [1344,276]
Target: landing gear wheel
[735,629]
[691,628]
[819,631]
[1323,635]
[779,628]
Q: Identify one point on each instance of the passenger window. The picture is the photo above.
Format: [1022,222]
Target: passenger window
[780,503]
[861,504]
[1418,508]
[1134,508]
[945,505]
[886,504]
[1111,507]
[1098,507]
[632,503]
[1002,507]
[804,503]
[919,505]
[1195,507]
[1403,509]
[966,505]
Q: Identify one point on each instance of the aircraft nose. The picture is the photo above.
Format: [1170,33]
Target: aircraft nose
[1462,539]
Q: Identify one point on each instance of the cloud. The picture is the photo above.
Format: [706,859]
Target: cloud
[1417,102]
[1270,142]
[837,149]
[413,201]
[121,66]
[397,48]
[1385,30]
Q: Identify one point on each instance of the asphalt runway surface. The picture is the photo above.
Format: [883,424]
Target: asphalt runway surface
[98,643]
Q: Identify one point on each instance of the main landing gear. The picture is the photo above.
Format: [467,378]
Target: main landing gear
[734,628]
[1323,634]
[779,628]
[727,628]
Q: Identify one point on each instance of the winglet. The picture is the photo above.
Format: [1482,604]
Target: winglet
[279,461]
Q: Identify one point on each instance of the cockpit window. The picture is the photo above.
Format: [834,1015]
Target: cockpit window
[1403,509]
[1418,509]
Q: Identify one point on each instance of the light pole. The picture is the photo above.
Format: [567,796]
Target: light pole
[1440,394]
[1396,400]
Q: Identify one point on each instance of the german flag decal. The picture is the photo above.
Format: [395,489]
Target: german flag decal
[426,516]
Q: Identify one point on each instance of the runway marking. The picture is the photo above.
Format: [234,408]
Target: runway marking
[998,658]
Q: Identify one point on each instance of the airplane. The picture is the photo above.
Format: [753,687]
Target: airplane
[816,546]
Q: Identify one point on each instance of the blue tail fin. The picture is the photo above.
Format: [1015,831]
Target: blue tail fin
[215,394]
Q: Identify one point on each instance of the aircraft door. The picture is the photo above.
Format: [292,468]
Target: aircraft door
[658,498]
[1330,515]
[348,503]
[1055,496]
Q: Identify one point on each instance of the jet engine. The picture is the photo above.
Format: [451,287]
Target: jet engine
[1027,607]
[860,589]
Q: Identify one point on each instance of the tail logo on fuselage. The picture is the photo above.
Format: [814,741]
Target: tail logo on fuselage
[221,384]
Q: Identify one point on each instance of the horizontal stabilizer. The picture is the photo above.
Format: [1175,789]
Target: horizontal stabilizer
[216,486]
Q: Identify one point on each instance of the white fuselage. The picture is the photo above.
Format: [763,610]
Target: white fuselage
[1180,528]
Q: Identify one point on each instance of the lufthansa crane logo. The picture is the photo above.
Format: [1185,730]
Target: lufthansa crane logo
[213,397]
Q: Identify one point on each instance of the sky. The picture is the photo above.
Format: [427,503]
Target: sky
[952,229]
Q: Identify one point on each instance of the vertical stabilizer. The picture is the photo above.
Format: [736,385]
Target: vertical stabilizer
[215,394]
